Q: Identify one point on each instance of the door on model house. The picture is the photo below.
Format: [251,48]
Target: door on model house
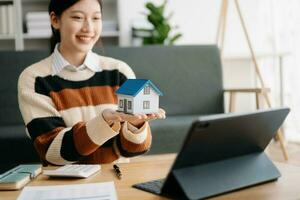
[125,105]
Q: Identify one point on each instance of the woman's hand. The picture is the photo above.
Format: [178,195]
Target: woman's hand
[137,120]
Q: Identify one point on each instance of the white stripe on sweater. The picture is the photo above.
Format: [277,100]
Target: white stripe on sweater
[133,134]
[74,115]
[33,105]
[53,154]
[99,131]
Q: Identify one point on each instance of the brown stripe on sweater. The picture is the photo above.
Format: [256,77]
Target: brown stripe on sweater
[101,156]
[83,143]
[42,142]
[86,96]
[135,148]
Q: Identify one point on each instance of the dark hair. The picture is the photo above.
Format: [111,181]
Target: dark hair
[58,7]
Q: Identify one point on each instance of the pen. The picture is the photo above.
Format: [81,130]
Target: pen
[117,171]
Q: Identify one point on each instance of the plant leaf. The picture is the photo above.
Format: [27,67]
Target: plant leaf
[174,38]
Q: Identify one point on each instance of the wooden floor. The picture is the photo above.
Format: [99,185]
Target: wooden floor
[275,153]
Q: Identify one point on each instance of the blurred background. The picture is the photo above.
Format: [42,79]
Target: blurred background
[273,27]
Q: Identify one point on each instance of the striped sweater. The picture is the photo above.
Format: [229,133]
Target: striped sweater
[63,114]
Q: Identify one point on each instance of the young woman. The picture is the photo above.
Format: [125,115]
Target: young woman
[67,100]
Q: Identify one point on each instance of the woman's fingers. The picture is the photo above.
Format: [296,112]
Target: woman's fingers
[151,116]
[142,116]
[161,114]
[162,111]
[113,116]
[117,117]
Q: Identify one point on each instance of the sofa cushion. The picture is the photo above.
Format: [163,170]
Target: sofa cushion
[12,64]
[15,146]
[189,76]
[168,134]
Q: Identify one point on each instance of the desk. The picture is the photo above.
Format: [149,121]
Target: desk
[154,167]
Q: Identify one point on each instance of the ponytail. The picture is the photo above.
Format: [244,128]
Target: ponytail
[55,38]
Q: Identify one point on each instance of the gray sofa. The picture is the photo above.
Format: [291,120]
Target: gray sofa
[189,76]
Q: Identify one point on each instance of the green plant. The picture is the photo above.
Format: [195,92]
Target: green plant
[160,33]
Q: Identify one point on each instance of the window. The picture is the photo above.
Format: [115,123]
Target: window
[129,105]
[147,90]
[121,103]
[146,104]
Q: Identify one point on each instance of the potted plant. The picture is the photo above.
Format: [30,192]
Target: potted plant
[159,33]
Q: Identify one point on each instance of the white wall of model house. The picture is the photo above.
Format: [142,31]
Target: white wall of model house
[152,98]
[197,20]
[138,105]
[125,103]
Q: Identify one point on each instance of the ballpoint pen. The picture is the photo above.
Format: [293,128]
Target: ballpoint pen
[117,171]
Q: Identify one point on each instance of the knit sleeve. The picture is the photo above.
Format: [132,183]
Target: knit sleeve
[55,142]
[133,141]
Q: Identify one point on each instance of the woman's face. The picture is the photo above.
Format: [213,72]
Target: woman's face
[80,26]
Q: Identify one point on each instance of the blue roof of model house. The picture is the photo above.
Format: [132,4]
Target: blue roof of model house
[133,86]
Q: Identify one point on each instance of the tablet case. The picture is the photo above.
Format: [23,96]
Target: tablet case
[197,175]
[211,179]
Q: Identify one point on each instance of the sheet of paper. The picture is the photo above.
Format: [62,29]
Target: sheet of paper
[90,191]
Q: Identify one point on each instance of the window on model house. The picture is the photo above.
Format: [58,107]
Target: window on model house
[129,105]
[147,90]
[121,103]
[146,104]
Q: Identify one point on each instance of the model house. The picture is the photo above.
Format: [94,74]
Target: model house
[138,96]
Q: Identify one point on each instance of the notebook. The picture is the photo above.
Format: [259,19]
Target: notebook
[14,176]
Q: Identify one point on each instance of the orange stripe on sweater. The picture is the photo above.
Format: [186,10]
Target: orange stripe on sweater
[135,148]
[87,96]
[42,142]
[101,156]
[82,141]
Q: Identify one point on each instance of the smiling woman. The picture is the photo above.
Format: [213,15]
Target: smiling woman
[78,28]
[68,100]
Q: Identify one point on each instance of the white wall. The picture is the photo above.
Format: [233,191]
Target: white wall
[198,21]
[188,15]
[287,18]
